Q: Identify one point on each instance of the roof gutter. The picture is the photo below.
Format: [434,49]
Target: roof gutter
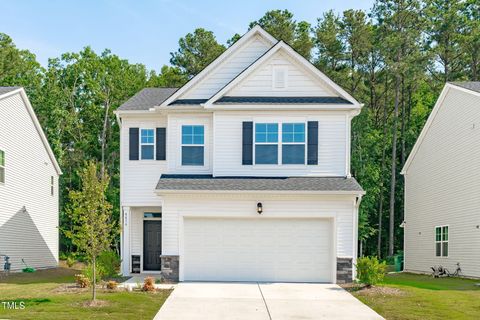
[313,192]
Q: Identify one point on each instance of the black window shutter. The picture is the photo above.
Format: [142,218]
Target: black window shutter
[247,143]
[161,144]
[133,144]
[312,148]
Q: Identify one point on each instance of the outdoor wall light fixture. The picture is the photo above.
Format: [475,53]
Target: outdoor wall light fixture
[259,208]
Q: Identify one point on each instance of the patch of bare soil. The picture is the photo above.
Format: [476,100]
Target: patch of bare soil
[70,288]
[95,304]
[361,289]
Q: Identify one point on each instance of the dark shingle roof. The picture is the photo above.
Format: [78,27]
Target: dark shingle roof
[470,85]
[4,90]
[208,182]
[147,98]
[282,100]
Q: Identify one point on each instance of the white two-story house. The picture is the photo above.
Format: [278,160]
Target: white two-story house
[242,174]
[29,175]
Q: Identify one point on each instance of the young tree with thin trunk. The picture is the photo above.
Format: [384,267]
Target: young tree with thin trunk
[91,216]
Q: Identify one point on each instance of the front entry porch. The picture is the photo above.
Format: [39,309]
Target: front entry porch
[141,241]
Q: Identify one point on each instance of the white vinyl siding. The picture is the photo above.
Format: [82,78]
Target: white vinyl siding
[228,70]
[138,178]
[442,185]
[28,172]
[298,81]
[333,147]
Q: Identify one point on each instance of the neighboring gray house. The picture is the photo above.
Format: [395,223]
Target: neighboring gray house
[242,174]
[442,185]
[28,186]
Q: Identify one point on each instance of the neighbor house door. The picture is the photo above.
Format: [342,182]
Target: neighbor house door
[152,244]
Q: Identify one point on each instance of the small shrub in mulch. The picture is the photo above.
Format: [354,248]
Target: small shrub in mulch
[149,284]
[112,285]
[82,281]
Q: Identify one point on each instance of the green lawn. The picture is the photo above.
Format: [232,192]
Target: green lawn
[423,297]
[48,294]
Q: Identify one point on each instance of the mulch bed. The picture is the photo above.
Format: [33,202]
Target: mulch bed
[362,289]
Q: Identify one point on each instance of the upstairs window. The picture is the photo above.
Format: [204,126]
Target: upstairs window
[2,166]
[293,143]
[266,143]
[441,241]
[193,145]
[147,144]
[52,184]
[279,77]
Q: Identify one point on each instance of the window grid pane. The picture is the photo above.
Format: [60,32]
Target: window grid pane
[2,158]
[192,156]
[293,132]
[445,234]
[293,154]
[444,249]
[438,249]
[147,136]
[194,135]
[266,154]
[266,132]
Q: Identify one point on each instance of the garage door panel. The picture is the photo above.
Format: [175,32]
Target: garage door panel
[231,249]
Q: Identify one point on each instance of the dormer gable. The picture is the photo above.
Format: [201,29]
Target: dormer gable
[283,73]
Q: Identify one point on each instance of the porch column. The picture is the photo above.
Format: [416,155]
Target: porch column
[125,240]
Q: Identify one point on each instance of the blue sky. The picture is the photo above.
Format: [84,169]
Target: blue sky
[142,31]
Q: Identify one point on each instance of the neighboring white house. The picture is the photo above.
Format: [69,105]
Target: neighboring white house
[442,185]
[28,186]
[242,174]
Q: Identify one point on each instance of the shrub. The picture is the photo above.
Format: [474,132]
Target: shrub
[82,281]
[112,285]
[109,261]
[88,272]
[62,256]
[370,271]
[149,284]
[70,261]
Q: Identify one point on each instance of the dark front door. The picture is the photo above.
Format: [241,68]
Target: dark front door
[152,244]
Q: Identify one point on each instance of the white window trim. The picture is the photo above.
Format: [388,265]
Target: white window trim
[193,145]
[279,143]
[4,168]
[140,144]
[442,241]
[285,72]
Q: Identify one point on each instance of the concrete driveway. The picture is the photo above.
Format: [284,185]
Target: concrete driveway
[262,301]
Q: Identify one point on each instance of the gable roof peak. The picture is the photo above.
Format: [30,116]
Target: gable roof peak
[254,31]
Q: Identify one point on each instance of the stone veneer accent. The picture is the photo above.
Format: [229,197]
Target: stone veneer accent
[344,270]
[169,267]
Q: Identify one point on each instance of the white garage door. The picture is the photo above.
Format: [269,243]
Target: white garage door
[257,249]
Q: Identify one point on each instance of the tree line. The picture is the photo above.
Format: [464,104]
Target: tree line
[395,59]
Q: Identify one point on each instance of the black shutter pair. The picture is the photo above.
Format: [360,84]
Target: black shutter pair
[160,144]
[312,143]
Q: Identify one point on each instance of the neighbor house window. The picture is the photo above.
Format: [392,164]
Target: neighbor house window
[266,143]
[193,145]
[293,143]
[441,241]
[147,144]
[52,181]
[2,166]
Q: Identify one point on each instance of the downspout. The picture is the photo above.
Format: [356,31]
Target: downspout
[358,200]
